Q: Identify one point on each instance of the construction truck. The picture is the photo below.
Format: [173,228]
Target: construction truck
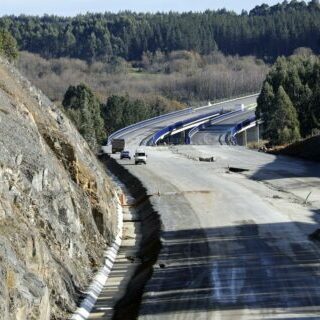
[117,145]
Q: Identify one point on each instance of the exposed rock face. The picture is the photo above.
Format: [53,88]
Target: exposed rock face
[57,206]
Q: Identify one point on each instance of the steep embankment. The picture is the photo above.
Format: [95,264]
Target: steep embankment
[56,205]
[307,149]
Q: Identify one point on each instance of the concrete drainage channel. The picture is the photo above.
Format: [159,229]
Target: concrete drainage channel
[133,266]
[127,308]
[95,288]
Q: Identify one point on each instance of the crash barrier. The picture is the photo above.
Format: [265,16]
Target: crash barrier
[143,123]
[240,126]
[179,125]
[202,126]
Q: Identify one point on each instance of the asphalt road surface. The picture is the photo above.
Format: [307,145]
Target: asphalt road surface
[217,132]
[235,245]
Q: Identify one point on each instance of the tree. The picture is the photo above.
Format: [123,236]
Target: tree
[314,4]
[299,77]
[265,103]
[84,109]
[121,111]
[266,32]
[266,107]
[8,45]
[284,125]
[304,110]
[314,122]
[112,113]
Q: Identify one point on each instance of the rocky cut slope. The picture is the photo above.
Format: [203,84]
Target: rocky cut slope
[57,205]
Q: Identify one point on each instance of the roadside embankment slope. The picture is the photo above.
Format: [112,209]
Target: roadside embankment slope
[56,205]
[307,149]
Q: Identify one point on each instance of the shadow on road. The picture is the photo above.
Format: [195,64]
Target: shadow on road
[248,266]
[287,167]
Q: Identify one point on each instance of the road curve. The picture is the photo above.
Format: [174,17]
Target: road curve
[217,132]
[235,245]
[134,136]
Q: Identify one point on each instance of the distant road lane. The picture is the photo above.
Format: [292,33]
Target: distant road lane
[216,133]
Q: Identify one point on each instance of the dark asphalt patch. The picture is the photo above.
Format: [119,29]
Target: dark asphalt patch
[237,170]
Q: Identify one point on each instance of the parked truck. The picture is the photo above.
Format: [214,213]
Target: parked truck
[117,145]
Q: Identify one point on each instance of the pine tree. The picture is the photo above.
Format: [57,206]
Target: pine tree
[87,126]
[314,122]
[8,46]
[265,104]
[284,126]
[84,109]
[304,110]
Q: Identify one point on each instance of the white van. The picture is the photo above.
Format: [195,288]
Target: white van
[140,156]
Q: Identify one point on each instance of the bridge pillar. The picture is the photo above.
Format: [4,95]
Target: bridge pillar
[253,134]
[242,138]
[178,138]
[183,137]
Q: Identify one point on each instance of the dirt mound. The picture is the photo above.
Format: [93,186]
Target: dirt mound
[308,149]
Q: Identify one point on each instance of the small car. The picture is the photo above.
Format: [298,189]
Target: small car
[140,157]
[125,155]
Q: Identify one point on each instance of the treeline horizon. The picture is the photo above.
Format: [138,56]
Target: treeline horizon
[265,32]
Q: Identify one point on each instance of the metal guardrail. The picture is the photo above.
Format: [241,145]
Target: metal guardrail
[180,124]
[193,131]
[231,100]
[143,123]
[233,132]
[242,125]
[221,117]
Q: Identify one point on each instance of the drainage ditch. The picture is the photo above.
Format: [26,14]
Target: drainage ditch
[127,308]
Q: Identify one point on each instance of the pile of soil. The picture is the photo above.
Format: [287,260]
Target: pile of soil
[307,149]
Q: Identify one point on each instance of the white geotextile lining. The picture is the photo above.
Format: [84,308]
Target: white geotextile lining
[101,277]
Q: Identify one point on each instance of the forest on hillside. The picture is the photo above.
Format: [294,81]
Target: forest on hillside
[265,32]
[138,65]
[180,78]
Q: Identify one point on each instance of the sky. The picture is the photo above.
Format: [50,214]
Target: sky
[73,7]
